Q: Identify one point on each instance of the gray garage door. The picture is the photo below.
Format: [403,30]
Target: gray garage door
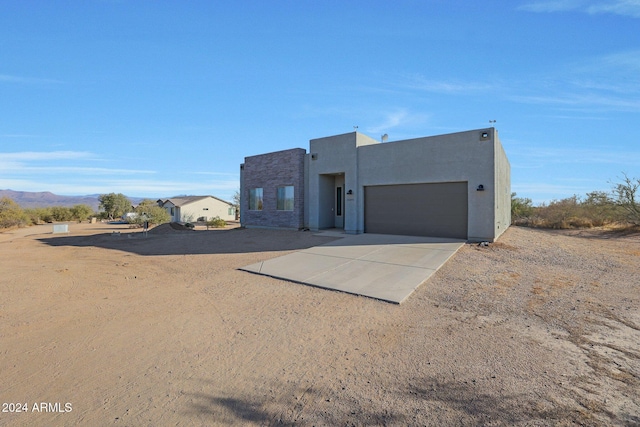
[438,210]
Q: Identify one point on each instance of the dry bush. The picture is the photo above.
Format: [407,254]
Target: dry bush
[596,210]
[11,215]
[628,199]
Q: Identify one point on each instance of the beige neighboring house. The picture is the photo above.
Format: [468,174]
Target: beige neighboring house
[197,208]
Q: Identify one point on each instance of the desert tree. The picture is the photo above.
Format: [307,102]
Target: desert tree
[236,203]
[11,214]
[149,211]
[114,205]
[626,197]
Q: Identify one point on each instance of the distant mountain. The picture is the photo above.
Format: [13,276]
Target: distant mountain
[44,199]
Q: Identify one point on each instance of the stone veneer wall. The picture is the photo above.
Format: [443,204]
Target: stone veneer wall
[270,171]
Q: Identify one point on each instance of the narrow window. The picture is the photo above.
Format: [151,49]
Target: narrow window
[255,199]
[285,198]
[339,201]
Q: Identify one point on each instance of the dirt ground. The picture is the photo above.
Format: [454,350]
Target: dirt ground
[99,328]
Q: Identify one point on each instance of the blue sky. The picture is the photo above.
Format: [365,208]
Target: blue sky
[160,98]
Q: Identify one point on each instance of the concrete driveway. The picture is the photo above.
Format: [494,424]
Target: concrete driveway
[379,266]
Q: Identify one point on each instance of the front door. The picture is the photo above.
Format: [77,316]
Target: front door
[338,202]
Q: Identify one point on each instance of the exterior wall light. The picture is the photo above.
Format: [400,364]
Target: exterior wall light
[350,192]
[480,188]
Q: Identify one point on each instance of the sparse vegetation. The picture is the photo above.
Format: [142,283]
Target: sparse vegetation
[150,212]
[216,222]
[521,207]
[620,207]
[11,215]
[58,213]
[626,196]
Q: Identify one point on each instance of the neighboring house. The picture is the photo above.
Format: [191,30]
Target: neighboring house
[455,185]
[197,208]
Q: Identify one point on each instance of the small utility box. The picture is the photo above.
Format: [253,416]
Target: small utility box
[60,228]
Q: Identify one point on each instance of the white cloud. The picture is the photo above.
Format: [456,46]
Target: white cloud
[19,168]
[46,155]
[620,7]
[18,135]
[544,188]
[552,6]
[24,163]
[31,80]
[582,101]
[217,174]
[72,173]
[130,187]
[398,118]
[418,82]
[540,192]
[609,82]
[629,8]
[569,155]
[156,187]
[619,62]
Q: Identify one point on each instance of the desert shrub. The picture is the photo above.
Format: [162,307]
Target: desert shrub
[600,208]
[627,199]
[189,225]
[597,209]
[577,222]
[216,222]
[32,217]
[61,213]
[521,207]
[81,212]
[154,214]
[38,215]
[11,214]
[556,214]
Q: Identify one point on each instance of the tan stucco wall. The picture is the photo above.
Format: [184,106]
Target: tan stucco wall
[195,210]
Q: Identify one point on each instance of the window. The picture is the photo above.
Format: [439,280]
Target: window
[255,199]
[231,211]
[285,198]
